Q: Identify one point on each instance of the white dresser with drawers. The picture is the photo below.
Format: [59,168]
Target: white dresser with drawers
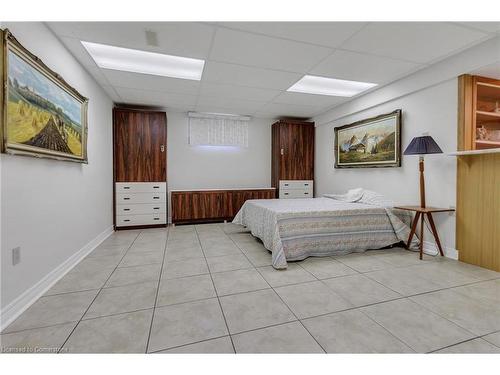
[296,189]
[140,203]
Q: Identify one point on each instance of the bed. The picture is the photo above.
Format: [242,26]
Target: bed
[294,229]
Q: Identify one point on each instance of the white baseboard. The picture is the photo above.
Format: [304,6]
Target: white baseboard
[10,312]
[430,248]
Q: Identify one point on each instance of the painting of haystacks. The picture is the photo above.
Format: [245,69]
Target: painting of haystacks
[44,116]
[373,142]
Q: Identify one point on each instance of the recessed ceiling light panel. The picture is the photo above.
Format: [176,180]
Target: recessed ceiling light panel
[137,61]
[329,86]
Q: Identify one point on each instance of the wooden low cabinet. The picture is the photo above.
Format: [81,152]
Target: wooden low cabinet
[197,206]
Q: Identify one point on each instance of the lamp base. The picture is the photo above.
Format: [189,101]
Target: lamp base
[422,181]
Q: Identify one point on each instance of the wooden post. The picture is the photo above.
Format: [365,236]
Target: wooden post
[422,182]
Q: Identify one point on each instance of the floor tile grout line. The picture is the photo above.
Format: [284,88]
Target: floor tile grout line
[215,289]
[288,307]
[430,291]
[191,343]
[464,341]
[117,314]
[387,330]
[322,282]
[157,289]
[95,297]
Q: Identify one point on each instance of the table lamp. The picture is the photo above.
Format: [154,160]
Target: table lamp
[421,146]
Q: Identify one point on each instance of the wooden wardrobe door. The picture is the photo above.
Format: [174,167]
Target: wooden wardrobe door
[128,145]
[305,164]
[139,137]
[297,142]
[154,140]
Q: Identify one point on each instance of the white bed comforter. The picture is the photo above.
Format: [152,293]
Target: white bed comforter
[294,229]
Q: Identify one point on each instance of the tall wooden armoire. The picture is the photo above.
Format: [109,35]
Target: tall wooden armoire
[140,168]
[292,168]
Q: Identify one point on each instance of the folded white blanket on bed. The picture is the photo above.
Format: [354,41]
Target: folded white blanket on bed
[361,195]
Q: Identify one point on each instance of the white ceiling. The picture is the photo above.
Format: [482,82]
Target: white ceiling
[250,65]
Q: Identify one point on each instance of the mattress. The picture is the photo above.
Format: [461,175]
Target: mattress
[294,229]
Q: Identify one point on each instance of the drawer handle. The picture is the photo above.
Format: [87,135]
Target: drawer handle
[286,184]
[126,199]
[156,197]
[156,218]
[126,220]
[126,187]
[156,187]
[306,184]
[126,209]
[156,208]
[306,193]
[286,193]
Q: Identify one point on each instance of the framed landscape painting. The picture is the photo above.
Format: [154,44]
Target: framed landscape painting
[42,115]
[370,143]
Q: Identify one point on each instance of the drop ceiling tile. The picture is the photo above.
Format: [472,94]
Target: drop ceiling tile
[150,82]
[361,67]
[188,39]
[237,92]
[296,98]
[156,98]
[81,54]
[420,42]
[288,110]
[330,34]
[265,52]
[248,76]
[241,106]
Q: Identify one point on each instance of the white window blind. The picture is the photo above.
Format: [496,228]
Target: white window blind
[218,130]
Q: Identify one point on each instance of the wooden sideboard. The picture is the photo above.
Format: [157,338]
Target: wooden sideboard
[197,206]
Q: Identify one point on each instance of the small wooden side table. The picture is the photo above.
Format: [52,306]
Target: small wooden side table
[420,213]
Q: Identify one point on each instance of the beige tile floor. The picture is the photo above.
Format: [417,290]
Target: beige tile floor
[211,289]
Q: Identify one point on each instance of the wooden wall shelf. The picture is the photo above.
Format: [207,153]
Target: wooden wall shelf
[475,152]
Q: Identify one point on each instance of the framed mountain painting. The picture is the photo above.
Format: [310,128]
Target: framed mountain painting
[42,115]
[370,143]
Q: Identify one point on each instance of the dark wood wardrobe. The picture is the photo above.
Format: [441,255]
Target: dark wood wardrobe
[293,157]
[140,168]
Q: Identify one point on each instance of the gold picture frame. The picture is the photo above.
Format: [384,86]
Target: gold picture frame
[41,114]
[370,143]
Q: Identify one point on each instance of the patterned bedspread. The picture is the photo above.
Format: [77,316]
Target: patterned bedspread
[294,229]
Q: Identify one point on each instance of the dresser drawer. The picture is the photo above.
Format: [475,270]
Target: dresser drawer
[140,187]
[296,193]
[140,209]
[151,219]
[296,184]
[134,198]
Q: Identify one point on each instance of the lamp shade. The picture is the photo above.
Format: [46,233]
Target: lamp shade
[423,145]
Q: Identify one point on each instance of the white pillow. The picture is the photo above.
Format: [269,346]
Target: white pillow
[351,196]
[361,195]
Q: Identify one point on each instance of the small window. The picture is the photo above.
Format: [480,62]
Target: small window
[218,130]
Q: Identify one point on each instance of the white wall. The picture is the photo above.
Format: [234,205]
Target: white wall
[198,167]
[432,110]
[428,99]
[52,209]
